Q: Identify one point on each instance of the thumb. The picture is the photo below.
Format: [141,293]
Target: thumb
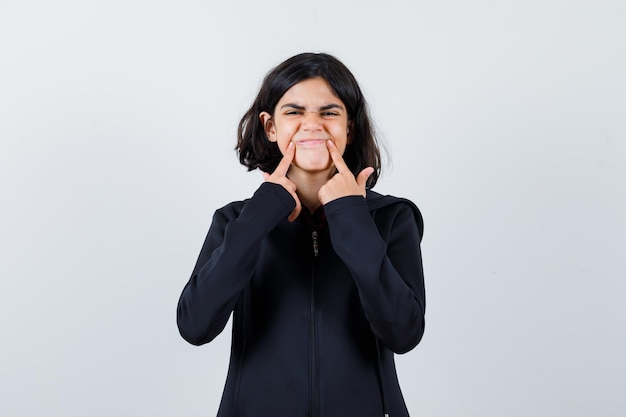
[361,179]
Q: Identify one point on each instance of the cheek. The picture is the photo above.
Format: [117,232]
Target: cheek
[283,139]
[341,139]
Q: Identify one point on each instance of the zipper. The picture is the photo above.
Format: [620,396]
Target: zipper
[313,333]
[315,247]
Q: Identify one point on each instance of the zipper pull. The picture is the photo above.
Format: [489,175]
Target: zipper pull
[315,248]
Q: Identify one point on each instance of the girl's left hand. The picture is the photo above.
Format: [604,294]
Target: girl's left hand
[343,183]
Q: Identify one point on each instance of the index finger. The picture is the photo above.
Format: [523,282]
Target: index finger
[340,164]
[285,163]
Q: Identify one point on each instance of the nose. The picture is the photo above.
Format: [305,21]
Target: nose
[311,122]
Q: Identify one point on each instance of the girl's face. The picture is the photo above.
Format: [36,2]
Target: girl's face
[309,114]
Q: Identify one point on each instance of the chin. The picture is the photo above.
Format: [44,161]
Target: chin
[314,165]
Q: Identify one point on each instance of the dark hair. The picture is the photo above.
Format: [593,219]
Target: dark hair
[256,151]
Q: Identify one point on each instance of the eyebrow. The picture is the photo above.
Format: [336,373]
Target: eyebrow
[326,107]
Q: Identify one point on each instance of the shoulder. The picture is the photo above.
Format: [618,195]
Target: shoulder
[267,193]
[230,211]
[391,206]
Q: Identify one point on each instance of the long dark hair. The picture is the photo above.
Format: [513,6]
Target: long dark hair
[256,151]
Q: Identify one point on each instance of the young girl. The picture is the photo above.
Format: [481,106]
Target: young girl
[323,276]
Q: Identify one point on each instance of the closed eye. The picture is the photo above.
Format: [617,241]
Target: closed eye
[328,111]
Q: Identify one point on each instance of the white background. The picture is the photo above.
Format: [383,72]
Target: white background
[505,124]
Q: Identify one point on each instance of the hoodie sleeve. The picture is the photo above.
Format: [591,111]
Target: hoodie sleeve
[226,262]
[384,257]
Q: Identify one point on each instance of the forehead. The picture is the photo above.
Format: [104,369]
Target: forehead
[311,91]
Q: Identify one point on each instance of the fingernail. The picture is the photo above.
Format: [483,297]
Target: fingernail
[330,143]
[290,145]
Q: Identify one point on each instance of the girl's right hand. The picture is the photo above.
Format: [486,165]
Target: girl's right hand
[279,176]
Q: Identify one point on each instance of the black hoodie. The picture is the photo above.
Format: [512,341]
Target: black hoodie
[319,307]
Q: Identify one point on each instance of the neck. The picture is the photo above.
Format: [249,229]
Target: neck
[308,185]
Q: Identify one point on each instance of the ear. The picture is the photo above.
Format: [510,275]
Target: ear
[349,132]
[268,125]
